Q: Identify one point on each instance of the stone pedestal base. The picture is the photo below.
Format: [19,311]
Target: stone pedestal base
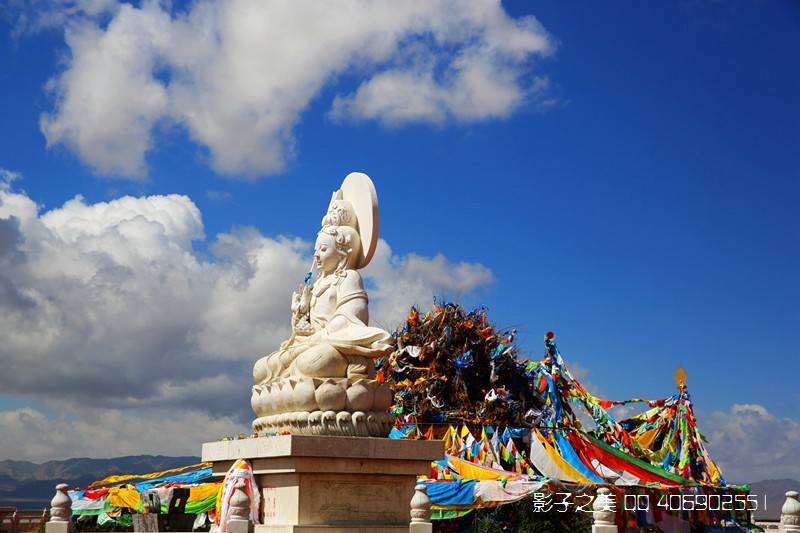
[604,528]
[325,484]
[59,527]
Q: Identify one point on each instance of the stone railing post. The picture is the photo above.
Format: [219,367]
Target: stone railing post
[420,511]
[239,521]
[60,512]
[603,511]
[790,513]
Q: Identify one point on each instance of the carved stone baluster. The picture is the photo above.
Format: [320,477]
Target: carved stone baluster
[603,512]
[790,513]
[60,511]
[239,521]
[420,511]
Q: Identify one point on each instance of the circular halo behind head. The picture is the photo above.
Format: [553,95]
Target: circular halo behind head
[358,189]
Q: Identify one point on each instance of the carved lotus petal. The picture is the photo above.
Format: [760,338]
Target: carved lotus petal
[269,395]
[264,403]
[329,423]
[315,422]
[344,423]
[383,397]
[255,398]
[360,424]
[291,397]
[360,395]
[330,394]
[281,393]
[304,395]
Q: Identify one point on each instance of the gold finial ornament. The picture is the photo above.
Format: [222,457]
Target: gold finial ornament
[680,378]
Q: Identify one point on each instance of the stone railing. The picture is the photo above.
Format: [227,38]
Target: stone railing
[14,520]
[239,521]
[420,511]
[603,512]
[790,513]
[60,512]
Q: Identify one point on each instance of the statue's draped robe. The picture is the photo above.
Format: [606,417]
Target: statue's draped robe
[335,299]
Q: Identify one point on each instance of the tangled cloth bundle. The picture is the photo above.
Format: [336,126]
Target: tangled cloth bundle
[451,365]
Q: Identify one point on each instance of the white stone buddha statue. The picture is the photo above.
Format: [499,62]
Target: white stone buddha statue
[322,379]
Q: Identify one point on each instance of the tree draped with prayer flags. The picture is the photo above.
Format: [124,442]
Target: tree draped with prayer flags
[454,369]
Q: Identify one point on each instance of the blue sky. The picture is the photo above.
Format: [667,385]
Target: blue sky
[642,205]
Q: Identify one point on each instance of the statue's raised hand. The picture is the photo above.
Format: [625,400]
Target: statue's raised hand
[303,327]
[295,304]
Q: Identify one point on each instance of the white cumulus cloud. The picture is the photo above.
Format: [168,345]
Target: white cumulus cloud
[752,444]
[408,279]
[108,100]
[238,75]
[130,340]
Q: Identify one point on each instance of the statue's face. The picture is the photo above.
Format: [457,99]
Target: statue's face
[325,256]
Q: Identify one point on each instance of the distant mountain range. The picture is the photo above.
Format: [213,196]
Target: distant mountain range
[27,485]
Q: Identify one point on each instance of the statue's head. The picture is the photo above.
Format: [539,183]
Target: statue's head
[337,248]
[350,225]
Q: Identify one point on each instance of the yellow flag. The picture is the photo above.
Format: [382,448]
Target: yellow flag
[647,438]
[447,435]
[713,472]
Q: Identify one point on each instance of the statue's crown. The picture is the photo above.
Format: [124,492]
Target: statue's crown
[355,206]
[340,213]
